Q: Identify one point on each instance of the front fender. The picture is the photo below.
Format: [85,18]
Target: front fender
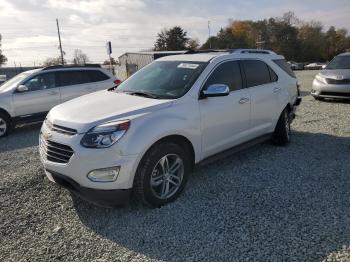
[179,119]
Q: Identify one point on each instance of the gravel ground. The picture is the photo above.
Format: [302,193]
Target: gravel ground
[266,203]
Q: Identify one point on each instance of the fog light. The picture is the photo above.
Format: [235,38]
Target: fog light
[104,174]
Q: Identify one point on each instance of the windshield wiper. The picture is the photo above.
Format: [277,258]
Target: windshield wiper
[140,93]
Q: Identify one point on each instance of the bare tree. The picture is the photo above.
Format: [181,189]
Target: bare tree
[80,58]
[52,61]
[3,58]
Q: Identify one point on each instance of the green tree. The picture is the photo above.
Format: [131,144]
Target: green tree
[193,44]
[3,58]
[171,40]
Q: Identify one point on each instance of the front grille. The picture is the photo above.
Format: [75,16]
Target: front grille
[335,94]
[55,152]
[61,129]
[338,82]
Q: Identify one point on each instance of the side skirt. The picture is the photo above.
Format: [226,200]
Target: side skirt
[235,149]
[37,117]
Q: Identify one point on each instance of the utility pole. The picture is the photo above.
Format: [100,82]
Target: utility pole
[209,34]
[260,43]
[59,39]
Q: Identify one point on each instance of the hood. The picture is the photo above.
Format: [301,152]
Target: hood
[87,111]
[337,74]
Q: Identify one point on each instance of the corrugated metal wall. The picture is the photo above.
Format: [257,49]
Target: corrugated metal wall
[130,63]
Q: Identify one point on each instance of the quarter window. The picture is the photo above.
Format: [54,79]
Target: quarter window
[257,73]
[228,73]
[96,76]
[41,82]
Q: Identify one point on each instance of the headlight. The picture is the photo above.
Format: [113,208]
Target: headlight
[321,79]
[105,135]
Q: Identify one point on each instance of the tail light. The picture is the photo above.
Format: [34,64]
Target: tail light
[117,82]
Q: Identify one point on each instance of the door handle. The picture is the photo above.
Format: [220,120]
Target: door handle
[276,89]
[244,100]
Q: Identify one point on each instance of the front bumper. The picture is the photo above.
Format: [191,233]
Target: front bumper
[106,198]
[320,89]
[84,160]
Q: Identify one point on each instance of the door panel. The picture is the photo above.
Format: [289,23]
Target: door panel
[264,88]
[41,96]
[225,121]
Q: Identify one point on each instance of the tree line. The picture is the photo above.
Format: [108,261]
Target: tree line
[297,40]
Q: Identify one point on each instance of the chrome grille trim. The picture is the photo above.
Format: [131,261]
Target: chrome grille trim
[55,152]
[60,129]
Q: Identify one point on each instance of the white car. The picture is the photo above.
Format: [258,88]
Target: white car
[144,137]
[28,96]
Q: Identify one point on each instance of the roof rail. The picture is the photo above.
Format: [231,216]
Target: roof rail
[206,51]
[70,66]
[253,51]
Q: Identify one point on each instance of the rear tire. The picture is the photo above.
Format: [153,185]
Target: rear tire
[5,125]
[161,175]
[282,133]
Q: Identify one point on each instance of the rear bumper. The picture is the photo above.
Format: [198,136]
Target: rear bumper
[106,198]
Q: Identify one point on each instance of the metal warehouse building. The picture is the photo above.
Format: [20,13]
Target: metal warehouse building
[129,63]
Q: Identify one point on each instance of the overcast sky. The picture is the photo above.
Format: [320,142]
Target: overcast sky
[28,27]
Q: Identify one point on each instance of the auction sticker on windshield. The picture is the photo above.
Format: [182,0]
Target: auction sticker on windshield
[188,66]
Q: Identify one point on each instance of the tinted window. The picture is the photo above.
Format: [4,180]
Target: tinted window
[227,73]
[67,78]
[273,75]
[96,76]
[41,82]
[339,62]
[257,72]
[285,67]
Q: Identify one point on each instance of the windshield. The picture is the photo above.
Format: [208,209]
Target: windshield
[339,62]
[163,79]
[13,81]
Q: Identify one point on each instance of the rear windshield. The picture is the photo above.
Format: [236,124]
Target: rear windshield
[339,62]
[284,66]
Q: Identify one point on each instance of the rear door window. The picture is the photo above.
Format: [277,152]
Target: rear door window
[68,78]
[257,72]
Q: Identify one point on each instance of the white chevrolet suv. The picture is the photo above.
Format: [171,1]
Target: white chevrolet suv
[143,138]
[28,96]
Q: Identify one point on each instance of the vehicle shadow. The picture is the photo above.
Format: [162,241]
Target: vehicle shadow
[266,203]
[337,101]
[22,137]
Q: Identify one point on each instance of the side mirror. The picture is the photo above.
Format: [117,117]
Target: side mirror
[22,88]
[216,90]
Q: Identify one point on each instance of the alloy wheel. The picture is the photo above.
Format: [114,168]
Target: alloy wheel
[167,176]
[3,126]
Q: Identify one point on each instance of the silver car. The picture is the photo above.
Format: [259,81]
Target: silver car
[28,96]
[334,80]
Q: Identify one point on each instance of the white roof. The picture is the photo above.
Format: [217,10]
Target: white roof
[206,57]
[199,57]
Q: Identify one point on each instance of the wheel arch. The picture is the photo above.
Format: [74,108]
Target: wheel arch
[3,111]
[181,140]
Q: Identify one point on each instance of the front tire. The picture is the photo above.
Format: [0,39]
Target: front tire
[161,175]
[282,133]
[5,125]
